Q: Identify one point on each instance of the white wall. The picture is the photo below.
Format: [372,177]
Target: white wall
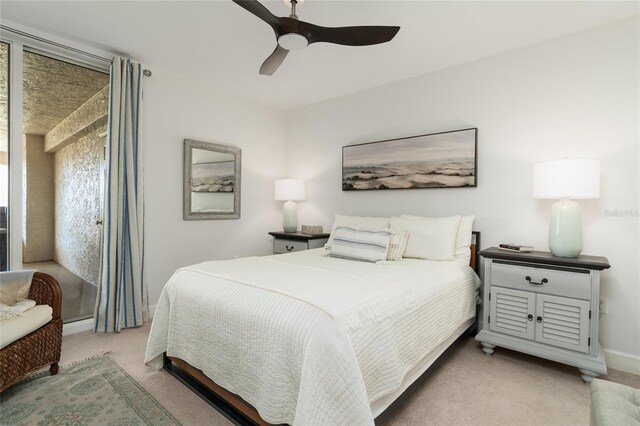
[77,205]
[178,108]
[39,202]
[576,96]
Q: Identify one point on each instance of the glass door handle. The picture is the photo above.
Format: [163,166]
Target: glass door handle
[98,222]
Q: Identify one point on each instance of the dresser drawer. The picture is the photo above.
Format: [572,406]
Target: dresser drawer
[288,246]
[569,283]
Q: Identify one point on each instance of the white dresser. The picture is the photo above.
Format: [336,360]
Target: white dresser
[288,242]
[545,306]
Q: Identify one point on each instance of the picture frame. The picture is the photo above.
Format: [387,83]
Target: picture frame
[212,181]
[435,160]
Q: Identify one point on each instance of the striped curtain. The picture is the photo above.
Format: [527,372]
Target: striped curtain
[122,297]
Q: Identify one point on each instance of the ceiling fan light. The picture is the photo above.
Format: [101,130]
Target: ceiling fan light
[293,41]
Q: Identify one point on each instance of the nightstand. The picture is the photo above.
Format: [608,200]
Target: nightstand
[545,306]
[288,242]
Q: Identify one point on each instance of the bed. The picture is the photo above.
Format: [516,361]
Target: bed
[304,338]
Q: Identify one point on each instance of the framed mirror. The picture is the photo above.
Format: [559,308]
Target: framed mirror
[211,181]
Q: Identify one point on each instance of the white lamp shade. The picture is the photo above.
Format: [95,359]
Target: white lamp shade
[289,189]
[566,179]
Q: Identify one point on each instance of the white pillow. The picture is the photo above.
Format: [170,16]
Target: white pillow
[357,222]
[463,236]
[463,239]
[15,286]
[429,238]
[365,245]
[397,245]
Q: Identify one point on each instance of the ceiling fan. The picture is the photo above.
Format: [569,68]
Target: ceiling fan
[293,34]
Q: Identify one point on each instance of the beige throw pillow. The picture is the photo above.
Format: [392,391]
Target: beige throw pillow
[398,245]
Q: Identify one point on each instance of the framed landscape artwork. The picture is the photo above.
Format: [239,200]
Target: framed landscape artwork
[437,160]
[213,175]
[211,181]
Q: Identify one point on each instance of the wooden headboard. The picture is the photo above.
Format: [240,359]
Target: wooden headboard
[475,250]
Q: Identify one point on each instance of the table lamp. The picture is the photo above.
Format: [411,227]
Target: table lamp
[289,191]
[563,180]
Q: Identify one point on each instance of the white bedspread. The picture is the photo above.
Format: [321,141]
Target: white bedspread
[308,339]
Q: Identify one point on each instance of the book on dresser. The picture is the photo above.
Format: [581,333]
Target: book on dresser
[516,248]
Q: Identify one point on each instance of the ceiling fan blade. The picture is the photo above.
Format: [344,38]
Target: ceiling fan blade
[348,36]
[271,64]
[260,11]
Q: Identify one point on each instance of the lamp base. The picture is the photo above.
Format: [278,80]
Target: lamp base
[565,229]
[289,217]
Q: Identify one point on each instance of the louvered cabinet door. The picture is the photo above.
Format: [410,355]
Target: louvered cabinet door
[562,322]
[512,312]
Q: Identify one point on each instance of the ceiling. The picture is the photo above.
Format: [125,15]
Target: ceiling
[219,44]
[52,90]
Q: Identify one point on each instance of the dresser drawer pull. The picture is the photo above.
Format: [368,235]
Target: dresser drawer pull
[543,281]
[530,317]
[288,248]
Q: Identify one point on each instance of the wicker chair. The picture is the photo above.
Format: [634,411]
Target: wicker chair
[41,347]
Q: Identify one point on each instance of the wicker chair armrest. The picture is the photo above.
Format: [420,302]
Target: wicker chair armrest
[45,290]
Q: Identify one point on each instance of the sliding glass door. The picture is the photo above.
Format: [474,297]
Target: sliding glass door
[4,156]
[65,108]
[53,118]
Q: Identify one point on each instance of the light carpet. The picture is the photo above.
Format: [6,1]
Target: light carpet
[465,387]
[92,392]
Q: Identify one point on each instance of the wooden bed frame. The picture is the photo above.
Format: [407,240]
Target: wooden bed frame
[232,406]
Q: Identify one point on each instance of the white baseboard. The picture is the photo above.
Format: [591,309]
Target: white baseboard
[77,327]
[87,324]
[623,362]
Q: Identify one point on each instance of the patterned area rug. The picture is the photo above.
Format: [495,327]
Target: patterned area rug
[92,392]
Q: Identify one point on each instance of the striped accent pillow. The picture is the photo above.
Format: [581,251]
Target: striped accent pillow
[365,245]
[398,245]
[359,222]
